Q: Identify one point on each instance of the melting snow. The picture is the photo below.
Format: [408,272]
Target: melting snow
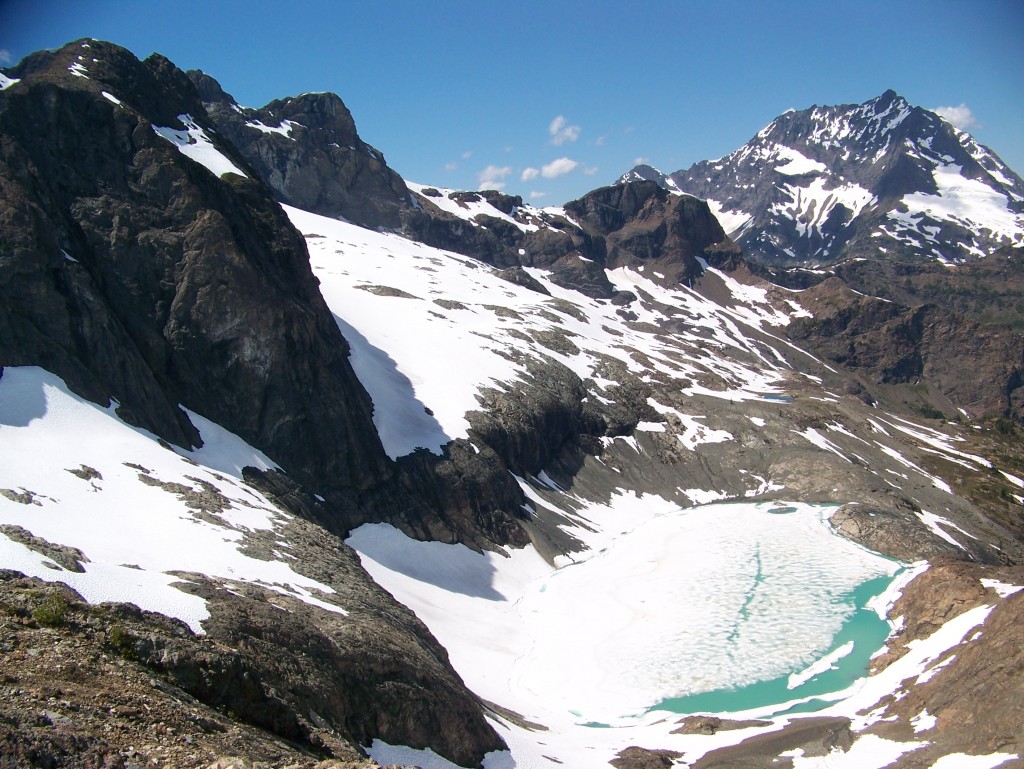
[796,163]
[285,129]
[733,222]
[970,202]
[634,620]
[1003,589]
[196,145]
[964,761]
[7,82]
[139,540]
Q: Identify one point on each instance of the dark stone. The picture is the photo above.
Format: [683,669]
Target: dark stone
[133,272]
[321,165]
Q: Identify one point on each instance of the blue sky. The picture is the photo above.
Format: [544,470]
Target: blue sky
[551,99]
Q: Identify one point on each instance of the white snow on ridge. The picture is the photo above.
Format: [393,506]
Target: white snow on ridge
[7,82]
[429,329]
[796,163]
[196,145]
[733,222]
[284,129]
[967,201]
[136,537]
[471,208]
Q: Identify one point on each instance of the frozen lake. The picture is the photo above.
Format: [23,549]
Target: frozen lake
[722,607]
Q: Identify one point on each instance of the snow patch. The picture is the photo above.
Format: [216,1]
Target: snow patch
[196,145]
[96,486]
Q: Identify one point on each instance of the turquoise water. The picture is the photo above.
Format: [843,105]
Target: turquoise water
[863,627]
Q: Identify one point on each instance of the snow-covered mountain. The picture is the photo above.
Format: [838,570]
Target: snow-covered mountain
[824,184]
[498,487]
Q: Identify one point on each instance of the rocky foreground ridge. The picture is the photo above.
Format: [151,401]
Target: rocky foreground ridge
[146,262]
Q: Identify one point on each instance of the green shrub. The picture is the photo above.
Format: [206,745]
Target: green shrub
[52,612]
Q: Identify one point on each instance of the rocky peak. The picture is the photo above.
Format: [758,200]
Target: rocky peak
[832,182]
[307,149]
[644,225]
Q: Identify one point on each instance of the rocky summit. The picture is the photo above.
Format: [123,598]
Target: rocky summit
[305,464]
[827,184]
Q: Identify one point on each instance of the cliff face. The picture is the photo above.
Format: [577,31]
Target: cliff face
[136,273]
[968,365]
[143,261]
[307,150]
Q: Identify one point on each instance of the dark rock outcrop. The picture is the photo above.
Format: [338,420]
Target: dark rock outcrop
[645,226]
[637,225]
[135,273]
[892,531]
[307,150]
[970,366]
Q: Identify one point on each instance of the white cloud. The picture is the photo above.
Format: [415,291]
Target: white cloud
[493,177]
[5,56]
[534,195]
[450,167]
[559,167]
[529,174]
[561,132]
[467,154]
[961,116]
[641,161]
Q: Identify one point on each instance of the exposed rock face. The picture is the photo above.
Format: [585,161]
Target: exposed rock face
[636,224]
[135,273]
[647,227]
[307,150]
[975,695]
[893,531]
[989,290]
[979,368]
[313,683]
[529,425]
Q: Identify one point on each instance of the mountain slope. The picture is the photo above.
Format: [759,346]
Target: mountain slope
[146,266]
[825,184]
[539,410]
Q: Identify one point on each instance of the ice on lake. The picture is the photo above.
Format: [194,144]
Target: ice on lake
[685,602]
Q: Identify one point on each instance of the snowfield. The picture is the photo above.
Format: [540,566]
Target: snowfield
[409,311]
[600,649]
[74,474]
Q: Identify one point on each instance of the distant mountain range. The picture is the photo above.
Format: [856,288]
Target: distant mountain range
[827,184]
